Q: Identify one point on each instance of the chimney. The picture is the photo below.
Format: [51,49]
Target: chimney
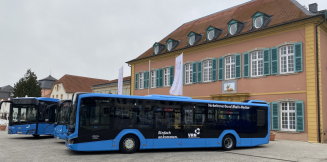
[313,8]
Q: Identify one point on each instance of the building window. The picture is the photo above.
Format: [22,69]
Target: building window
[286,59]
[212,33]
[288,116]
[141,80]
[171,44]
[233,29]
[153,78]
[158,48]
[258,22]
[188,73]
[166,77]
[193,38]
[230,67]
[61,96]
[207,70]
[256,63]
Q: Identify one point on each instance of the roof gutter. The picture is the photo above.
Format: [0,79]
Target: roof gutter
[249,32]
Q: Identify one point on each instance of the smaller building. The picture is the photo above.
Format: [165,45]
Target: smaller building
[46,85]
[67,85]
[111,87]
[6,92]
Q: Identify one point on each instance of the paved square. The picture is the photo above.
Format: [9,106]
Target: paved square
[26,148]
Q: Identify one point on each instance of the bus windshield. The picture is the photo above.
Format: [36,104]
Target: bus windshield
[22,114]
[63,113]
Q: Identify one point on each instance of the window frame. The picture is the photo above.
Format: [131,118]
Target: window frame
[141,80]
[290,63]
[257,61]
[191,36]
[288,111]
[153,77]
[166,77]
[207,70]
[188,75]
[231,66]
[255,20]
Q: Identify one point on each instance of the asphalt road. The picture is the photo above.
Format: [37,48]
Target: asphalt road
[26,148]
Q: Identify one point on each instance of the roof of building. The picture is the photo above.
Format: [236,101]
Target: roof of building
[280,12]
[74,83]
[47,82]
[125,79]
[7,88]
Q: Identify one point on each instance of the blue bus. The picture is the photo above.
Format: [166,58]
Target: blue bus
[62,119]
[32,115]
[107,122]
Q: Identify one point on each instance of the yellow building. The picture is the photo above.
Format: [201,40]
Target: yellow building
[272,50]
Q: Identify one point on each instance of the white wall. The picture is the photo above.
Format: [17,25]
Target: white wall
[59,92]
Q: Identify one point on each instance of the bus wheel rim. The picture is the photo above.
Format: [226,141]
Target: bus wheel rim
[228,143]
[129,144]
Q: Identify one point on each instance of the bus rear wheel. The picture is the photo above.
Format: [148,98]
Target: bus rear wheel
[228,142]
[129,144]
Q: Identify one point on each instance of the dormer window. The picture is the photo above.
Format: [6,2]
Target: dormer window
[171,44]
[234,27]
[212,33]
[158,48]
[259,20]
[193,38]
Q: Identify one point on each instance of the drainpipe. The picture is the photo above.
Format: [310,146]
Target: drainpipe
[318,78]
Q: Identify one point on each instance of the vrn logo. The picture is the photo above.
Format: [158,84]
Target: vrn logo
[195,134]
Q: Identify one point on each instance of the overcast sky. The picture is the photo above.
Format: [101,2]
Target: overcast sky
[91,38]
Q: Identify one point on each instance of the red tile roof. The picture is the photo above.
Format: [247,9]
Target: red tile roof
[281,12]
[74,83]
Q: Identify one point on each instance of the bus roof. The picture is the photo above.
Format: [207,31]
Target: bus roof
[36,98]
[175,98]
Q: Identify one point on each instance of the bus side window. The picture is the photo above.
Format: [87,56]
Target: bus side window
[261,118]
[188,117]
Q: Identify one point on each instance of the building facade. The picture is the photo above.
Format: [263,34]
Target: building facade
[270,50]
[46,85]
[67,85]
[112,87]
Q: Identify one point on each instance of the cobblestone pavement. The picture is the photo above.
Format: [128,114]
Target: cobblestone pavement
[26,148]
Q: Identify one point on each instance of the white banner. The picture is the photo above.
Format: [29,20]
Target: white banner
[120,81]
[177,87]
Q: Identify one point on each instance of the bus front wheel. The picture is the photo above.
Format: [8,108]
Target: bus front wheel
[228,142]
[129,144]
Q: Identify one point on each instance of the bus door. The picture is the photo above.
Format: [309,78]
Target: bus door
[167,123]
[46,117]
[193,117]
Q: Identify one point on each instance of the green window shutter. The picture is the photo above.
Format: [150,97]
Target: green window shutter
[246,63]
[194,72]
[136,81]
[214,70]
[221,68]
[299,116]
[160,77]
[157,77]
[266,61]
[275,116]
[274,61]
[146,79]
[238,66]
[199,71]
[171,75]
[298,57]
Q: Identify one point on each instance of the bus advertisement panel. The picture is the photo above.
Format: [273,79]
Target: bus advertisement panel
[101,122]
